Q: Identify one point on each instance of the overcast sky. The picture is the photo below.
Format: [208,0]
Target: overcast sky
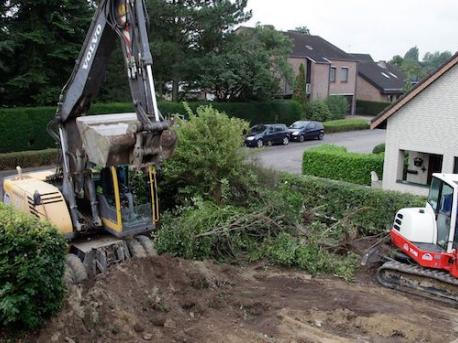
[382,28]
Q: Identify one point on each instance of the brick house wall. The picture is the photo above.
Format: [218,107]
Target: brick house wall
[428,124]
[367,92]
[320,81]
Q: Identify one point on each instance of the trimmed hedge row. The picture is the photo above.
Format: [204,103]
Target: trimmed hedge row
[32,257]
[371,210]
[342,125]
[25,128]
[370,108]
[336,163]
[27,159]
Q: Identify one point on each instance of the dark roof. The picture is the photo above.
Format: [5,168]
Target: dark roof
[316,48]
[362,57]
[384,76]
[380,120]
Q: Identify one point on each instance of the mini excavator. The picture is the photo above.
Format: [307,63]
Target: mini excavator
[103,194]
[425,259]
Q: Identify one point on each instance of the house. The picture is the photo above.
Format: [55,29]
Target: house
[378,81]
[329,70]
[422,132]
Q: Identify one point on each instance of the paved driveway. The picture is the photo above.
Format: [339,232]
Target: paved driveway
[289,158]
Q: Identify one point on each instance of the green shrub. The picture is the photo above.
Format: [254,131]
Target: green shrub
[27,159]
[317,110]
[343,125]
[32,256]
[24,128]
[208,161]
[332,162]
[338,106]
[379,149]
[371,210]
[370,108]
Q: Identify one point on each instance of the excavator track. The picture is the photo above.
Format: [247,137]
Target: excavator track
[413,279]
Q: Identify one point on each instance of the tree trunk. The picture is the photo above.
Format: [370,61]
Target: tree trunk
[175,90]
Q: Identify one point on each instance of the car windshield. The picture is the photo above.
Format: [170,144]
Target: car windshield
[298,125]
[258,129]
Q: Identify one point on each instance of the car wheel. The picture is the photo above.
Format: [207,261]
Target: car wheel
[301,138]
[321,136]
[285,141]
[269,143]
[260,144]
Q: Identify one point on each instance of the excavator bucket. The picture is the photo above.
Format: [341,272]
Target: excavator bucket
[113,139]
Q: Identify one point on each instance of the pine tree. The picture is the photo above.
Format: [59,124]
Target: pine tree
[46,36]
[300,92]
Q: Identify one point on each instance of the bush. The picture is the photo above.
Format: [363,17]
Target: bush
[371,210]
[333,162]
[25,128]
[27,159]
[379,149]
[370,108]
[338,106]
[208,161]
[342,125]
[317,110]
[32,256]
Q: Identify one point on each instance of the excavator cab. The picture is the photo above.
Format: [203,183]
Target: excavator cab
[128,202]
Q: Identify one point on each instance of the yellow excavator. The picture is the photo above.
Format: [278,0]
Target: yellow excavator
[103,193]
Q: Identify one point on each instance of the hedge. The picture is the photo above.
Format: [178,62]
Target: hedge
[25,128]
[27,159]
[372,210]
[333,162]
[379,149]
[32,257]
[370,108]
[345,125]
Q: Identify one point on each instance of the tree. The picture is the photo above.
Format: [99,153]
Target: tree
[300,92]
[432,61]
[250,66]
[303,29]
[184,32]
[412,54]
[45,37]
[397,61]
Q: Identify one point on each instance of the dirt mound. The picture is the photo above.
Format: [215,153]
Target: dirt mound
[164,299]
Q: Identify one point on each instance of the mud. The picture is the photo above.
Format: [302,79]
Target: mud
[165,299]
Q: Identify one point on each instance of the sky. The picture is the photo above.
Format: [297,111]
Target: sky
[381,28]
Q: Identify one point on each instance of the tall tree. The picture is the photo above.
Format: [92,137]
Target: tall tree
[183,32]
[412,54]
[432,61]
[300,91]
[45,36]
[250,66]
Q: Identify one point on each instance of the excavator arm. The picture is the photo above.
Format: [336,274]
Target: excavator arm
[141,140]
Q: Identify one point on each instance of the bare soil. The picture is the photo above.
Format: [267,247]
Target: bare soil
[166,299]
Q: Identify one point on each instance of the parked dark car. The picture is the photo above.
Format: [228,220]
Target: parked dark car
[267,134]
[302,130]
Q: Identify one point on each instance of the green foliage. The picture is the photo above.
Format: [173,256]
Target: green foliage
[300,91]
[370,108]
[379,149]
[432,61]
[45,38]
[207,161]
[333,162]
[317,110]
[24,128]
[251,66]
[372,210]
[338,106]
[343,125]
[32,256]
[302,29]
[27,159]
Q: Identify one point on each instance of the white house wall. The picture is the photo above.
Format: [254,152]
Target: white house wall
[429,124]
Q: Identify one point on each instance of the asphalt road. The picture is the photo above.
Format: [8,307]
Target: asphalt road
[289,158]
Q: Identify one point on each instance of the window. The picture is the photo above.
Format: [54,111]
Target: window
[344,74]
[455,167]
[433,197]
[418,167]
[332,74]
